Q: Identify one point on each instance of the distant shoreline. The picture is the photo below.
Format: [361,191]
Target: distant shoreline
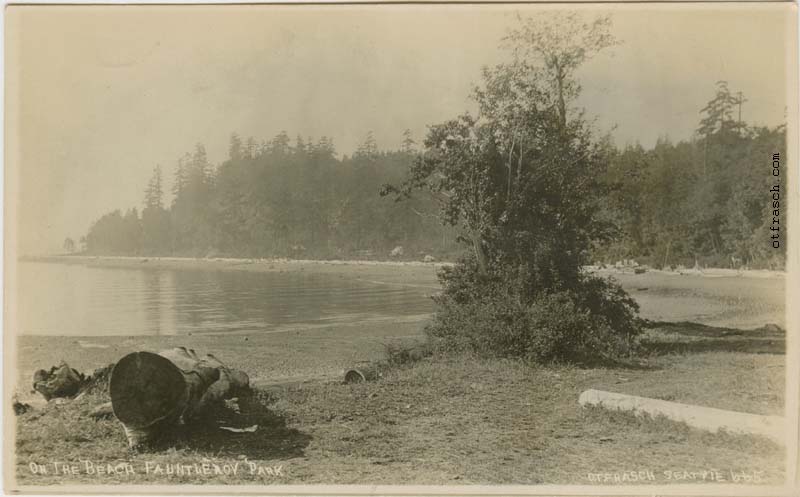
[221,260]
[401,273]
[336,265]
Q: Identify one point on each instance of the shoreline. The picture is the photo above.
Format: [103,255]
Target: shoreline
[285,264]
[412,274]
[68,258]
[269,359]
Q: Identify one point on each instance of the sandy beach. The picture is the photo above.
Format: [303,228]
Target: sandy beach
[323,351]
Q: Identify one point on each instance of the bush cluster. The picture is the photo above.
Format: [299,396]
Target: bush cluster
[593,319]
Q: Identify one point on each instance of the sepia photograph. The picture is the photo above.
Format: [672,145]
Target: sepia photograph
[392,249]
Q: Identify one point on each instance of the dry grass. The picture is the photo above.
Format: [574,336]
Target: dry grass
[454,420]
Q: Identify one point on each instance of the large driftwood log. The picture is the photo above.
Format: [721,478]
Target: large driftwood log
[705,418]
[150,393]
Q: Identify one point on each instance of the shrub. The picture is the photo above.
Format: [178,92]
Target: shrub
[398,354]
[593,319]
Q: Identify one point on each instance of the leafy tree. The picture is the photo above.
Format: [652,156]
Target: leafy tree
[547,54]
[521,182]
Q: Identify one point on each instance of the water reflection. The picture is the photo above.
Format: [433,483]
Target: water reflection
[58,299]
[159,313]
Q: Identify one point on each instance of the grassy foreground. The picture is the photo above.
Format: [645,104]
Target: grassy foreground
[456,420]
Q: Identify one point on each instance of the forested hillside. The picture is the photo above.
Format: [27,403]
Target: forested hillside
[704,201]
[278,198]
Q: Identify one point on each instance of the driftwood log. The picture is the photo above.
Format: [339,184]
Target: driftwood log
[151,393]
[60,381]
[705,418]
[362,373]
[63,381]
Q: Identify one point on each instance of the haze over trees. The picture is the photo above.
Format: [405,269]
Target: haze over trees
[702,200]
[283,197]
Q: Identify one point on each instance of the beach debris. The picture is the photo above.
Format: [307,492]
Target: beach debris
[60,381]
[249,429]
[20,408]
[99,378]
[91,345]
[362,373]
[397,251]
[64,382]
[772,328]
[297,250]
[429,258]
[152,393]
[103,411]
[233,405]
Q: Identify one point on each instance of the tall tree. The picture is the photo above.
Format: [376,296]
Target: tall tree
[69,245]
[154,193]
[155,222]
[520,177]
[408,142]
[368,148]
[522,181]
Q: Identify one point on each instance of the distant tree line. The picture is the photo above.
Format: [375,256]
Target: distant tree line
[702,201]
[705,201]
[279,198]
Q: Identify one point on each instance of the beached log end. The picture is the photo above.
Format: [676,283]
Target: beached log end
[368,372]
[149,393]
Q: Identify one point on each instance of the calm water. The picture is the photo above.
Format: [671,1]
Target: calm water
[66,299]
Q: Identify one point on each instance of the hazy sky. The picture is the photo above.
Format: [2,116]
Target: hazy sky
[97,96]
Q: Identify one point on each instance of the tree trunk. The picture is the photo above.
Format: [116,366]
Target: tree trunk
[151,393]
[480,253]
[562,103]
